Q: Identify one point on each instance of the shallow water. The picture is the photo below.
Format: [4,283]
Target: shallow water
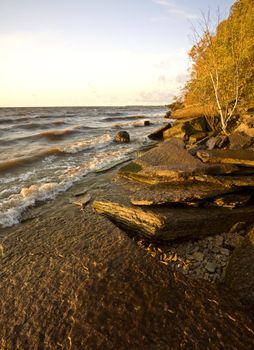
[44,151]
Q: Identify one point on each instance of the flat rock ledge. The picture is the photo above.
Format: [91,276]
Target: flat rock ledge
[165,223]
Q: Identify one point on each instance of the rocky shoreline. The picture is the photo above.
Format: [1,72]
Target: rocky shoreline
[188,202]
[169,264]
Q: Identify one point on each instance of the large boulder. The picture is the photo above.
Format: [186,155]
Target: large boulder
[187,127]
[168,162]
[122,137]
[240,272]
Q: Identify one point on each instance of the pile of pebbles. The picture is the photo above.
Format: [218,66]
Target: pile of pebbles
[206,258]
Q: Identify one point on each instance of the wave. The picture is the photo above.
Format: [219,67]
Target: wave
[12,208]
[53,135]
[70,148]
[82,145]
[126,117]
[39,125]
[17,162]
[115,114]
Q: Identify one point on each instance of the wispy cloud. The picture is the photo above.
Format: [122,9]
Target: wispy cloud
[172,8]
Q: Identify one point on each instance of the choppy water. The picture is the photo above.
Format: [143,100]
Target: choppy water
[44,151]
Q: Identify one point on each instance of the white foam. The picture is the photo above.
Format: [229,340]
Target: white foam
[11,208]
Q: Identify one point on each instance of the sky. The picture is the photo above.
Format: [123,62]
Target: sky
[96,52]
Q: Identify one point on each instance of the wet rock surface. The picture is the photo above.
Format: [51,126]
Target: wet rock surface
[122,137]
[76,281]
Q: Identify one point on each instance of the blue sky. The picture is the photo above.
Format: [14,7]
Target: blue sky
[97,52]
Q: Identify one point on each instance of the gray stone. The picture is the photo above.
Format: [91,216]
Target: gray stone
[198,256]
[82,201]
[218,240]
[211,267]
[225,251]
[187,192]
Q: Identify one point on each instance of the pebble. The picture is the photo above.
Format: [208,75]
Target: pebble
[219,241]
[206,258]
[198,256]
[211,267]
[224,251]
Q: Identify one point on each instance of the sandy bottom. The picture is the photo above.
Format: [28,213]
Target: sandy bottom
[70,279]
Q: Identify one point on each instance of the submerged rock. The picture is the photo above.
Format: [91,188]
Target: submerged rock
[122,137]
[86,285]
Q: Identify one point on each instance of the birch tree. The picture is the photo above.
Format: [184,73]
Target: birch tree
[222,63]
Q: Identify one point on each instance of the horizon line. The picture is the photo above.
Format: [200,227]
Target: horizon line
[88,106]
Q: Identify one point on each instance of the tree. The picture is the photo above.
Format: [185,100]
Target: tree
[222,71]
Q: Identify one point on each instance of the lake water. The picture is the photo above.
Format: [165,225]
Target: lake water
[44,151]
